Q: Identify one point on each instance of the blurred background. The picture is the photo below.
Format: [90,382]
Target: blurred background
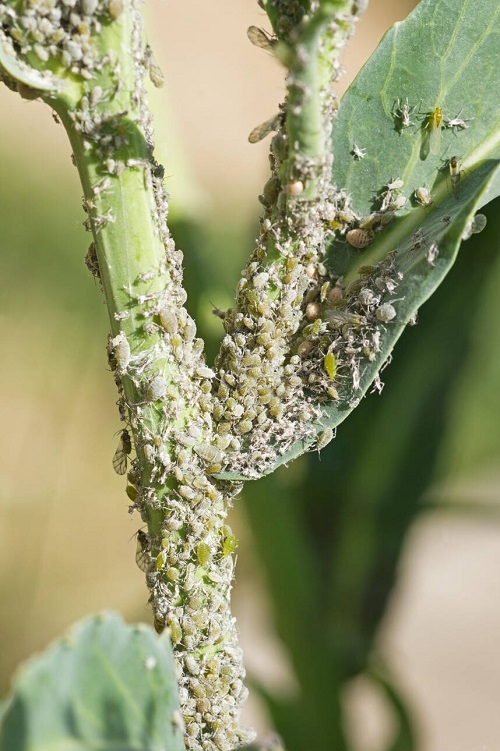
[393,537]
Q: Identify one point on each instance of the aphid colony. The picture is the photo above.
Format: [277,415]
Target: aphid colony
[189,564]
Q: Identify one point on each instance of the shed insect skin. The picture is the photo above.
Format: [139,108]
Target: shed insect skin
[457,123]
[357,152]
[402,113]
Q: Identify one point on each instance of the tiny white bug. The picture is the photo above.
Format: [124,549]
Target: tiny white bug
[386,312]
[397,203]
[156,389]
[357,152]
[457,123]
[358,238]
[402,113]
[395,184]
[432,253]
[121,352]
[423,196]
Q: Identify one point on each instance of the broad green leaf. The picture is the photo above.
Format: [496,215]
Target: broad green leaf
[106,686]
[354,506]
[445,54]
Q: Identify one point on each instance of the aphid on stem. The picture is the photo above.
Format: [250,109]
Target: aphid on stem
[262,130]
[122,452]
[357,152]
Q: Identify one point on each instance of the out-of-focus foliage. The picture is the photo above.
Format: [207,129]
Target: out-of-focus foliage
[105,685]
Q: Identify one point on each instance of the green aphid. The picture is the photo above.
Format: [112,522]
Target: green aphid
[330,364]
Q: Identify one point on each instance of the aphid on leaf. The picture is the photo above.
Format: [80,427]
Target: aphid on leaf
[434,121]
[455,172]
[261,38]
[121,453]
[330,364]
[386,312]
[358,238]
[262,130]
[432,253]
[457,122]
[324,438]
[357,152]
[423,196]
[402,113]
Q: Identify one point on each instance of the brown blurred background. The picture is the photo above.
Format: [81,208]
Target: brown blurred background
[65,547]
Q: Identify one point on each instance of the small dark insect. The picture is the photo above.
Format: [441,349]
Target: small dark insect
[121,453]
[158,169]
[91,261]
[218,312]
[142,557]
[262,130]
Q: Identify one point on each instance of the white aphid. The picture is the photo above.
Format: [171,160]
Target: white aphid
[423,196]
[386,312]
[357,152]
[121,352]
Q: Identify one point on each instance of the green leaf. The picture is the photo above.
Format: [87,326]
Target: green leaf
[443,55]
[106,686]
[404,737]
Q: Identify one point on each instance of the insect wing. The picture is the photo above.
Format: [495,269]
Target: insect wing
[142,557]
[120,460]
[120,455]
[262,130]
[434,125]
[260,38]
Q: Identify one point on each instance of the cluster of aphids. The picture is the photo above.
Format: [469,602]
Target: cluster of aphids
[189,564]
[60,32]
